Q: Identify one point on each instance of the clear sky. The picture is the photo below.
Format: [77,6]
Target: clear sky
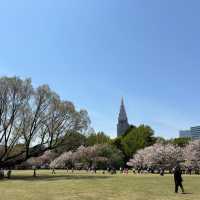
[93,52]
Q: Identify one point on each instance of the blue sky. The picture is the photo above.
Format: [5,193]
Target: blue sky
[93,52]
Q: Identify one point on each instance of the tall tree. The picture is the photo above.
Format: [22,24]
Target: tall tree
[134,139]
[34,118]
[97,138]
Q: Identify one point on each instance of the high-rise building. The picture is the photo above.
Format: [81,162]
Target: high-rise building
[195,132]
[185,133]
[122,125]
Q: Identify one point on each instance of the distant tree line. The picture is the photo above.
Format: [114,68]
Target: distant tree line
[88,150]
[93,157]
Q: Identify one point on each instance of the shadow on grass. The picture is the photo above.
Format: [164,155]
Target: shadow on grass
[56,177]
[187,193]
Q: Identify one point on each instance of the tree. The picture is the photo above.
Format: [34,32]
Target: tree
[71,142]
[182,142]
[157,155]
[34,118]
[161,140]
[192,154]
[113,157]
[64,160]
[98,156]
[134,139]
[97,138]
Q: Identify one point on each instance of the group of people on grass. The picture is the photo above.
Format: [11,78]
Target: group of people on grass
[176,171]
[162,170]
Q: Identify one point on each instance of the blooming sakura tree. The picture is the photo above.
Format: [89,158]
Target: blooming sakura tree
[93,156]
[138,159]
[192,154]
[48,156]
[65,159]
[160,155]
[84,155]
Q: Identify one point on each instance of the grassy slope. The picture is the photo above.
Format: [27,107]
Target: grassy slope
[63,186]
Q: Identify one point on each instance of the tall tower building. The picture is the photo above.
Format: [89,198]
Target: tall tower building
[122,125]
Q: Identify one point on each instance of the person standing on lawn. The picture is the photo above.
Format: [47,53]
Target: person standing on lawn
[178,179]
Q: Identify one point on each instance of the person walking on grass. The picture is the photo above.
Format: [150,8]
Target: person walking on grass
[9,174]
[53,171]
[178,179]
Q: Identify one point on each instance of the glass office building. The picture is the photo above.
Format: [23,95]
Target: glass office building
[195,132]
[184,133]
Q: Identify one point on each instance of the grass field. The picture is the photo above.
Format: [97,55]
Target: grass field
[84,186]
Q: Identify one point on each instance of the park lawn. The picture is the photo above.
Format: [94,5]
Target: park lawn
[86,186]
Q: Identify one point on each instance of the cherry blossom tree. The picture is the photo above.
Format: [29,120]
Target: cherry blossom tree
[192,154]
[157,155]
[64,160]
[97,156]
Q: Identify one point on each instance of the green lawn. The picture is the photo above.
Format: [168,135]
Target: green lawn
[84,186]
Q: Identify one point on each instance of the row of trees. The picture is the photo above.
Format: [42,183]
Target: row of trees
[135,138]
[33,120]
[78,149]
[167,156]
[97,156]
[96,149]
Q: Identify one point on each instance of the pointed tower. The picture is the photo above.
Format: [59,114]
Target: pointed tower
[122,125]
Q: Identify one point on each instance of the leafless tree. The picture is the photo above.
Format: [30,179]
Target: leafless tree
[33,120]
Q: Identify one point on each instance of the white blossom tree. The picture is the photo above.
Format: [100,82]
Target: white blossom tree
[192,154]
[162,155]
[63,160]
[92,156]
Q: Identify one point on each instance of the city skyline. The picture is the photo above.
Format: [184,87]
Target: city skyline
[93,53]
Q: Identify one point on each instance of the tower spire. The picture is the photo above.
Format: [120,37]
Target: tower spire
[122,100]
[122,112]
[122,125]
